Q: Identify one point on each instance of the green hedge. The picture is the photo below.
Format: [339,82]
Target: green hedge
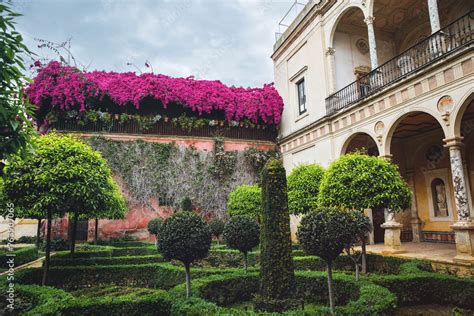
[107,261]
[415,286]
[22,256]
[125,244]
[35,300]
[362,298]
[90,251]
[161,275]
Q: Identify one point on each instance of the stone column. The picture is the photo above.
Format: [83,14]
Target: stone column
[434,15]
[372,44]
[464,227]
[330,54]
[415,221]
[393,229]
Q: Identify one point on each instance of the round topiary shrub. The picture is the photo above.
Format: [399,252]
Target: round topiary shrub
[184,237]
[216,226]
[242,233]
[324,233]
[154,227]
[186,204]
[245,200]
[303,188]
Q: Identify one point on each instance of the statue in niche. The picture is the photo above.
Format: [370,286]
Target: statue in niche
[440,201]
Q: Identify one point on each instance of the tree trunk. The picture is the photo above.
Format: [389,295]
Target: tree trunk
[96,231]
[245,261]
[357,271]
[38,233]
[330,289]
[188,280]
[364,259]
[73,234]
[47,249]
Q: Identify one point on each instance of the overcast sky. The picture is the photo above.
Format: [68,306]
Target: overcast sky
[228,40]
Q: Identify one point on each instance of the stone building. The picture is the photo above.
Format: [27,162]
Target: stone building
[394,79]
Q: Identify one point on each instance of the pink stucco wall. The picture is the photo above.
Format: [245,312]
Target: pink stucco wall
[137,217]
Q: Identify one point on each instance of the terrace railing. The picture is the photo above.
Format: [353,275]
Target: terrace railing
[449,39]
[262,133]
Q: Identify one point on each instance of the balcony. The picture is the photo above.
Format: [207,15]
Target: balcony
[448,40]
[168,128]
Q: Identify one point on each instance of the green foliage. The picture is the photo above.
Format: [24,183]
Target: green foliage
[106,261]
[185,237]
[242,233]
[359,227]
[258,158]
[16,129]
[187,205]
[21,256]
[154,226]
[303,188]
[65,175]
[357,181]
[245,200]
[277,278]
[324,233]
[57,244]
[216,226]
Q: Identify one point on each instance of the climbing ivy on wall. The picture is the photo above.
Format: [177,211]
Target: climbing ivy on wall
[169,172]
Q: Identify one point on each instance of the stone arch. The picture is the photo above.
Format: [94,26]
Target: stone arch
[394,124]
[363,134]
[335,21]
[459,110]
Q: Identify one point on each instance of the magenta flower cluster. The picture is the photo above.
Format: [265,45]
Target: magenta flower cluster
[68,88]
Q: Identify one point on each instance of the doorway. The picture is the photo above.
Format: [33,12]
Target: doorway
[82,230]
[378,218]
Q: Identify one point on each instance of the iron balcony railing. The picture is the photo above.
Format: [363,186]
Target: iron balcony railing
[447,40]
[262,133]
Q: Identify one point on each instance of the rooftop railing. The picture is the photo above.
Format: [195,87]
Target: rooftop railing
[446,41]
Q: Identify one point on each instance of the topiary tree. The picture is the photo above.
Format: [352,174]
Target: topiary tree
[242,233]
[154,227]
[277,278]
[303,188]
[187,204]
[185,237]
[65,175]
[358,182]
[216,226]
[324,233]
[245,200]
[359,228]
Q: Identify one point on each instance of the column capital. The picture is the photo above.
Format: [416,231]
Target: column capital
[453,142]
[330,51]
[369,20]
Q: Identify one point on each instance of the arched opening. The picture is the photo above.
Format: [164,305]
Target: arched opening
[361,142]
[401,24]
[417,147]
[350,41]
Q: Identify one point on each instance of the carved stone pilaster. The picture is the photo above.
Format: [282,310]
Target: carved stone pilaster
[330,54]
[392,231]
[434,15]
[464,227]
[414,220]
[372,43]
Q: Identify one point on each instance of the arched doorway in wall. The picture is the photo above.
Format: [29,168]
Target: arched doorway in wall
[350,41]
[416,145]
[362,143]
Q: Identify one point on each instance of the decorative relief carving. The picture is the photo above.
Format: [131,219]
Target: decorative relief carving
[362,46]
[369,20]
[445,105]
[330,51]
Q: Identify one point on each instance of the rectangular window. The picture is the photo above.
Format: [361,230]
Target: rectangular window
[301,96]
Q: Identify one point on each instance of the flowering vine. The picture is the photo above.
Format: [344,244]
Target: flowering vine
[66,88]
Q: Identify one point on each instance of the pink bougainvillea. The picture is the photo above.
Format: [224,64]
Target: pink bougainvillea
[68,88]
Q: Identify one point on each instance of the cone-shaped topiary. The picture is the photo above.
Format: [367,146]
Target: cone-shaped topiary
[242,233]
[184,237]
[277,278]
